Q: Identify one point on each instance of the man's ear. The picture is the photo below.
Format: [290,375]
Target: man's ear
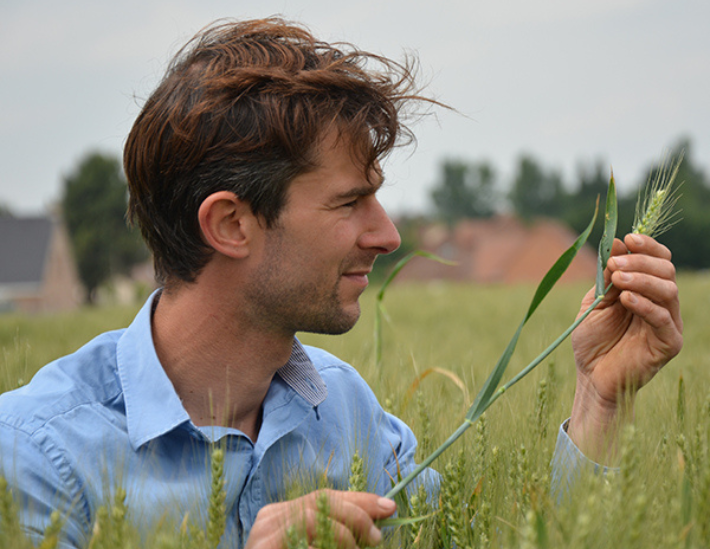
[227,224]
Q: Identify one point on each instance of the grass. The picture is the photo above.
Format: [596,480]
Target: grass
[500,469]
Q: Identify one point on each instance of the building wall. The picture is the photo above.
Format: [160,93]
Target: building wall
[62,290]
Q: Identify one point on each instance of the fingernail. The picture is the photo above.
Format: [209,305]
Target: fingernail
[387,504]
[636,239]
[632,298]
[620,261]
[375,536]
[625,277]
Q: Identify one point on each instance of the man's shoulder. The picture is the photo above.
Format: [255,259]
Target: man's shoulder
[322,358]
[335,372]
[85,377]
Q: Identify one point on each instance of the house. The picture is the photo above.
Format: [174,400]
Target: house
[37,268]
[499,250]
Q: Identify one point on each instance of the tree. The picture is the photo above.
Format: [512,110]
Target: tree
[94,207]
[465,191]
[536,192]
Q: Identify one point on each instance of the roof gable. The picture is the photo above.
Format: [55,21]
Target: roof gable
[24,244]
[501,249]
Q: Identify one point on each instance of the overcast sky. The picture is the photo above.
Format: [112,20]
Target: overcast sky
[568,81]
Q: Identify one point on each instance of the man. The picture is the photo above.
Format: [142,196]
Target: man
[253,171]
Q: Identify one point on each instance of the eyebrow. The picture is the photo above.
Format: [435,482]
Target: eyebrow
[357,192]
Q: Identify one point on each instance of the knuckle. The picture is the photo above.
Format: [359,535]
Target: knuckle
[358,519]
[673,271]
[670,292]
[323,492]
[664,317]
[344,538]
[267,511]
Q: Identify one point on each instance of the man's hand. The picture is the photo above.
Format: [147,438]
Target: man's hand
[624,342]
[352,515]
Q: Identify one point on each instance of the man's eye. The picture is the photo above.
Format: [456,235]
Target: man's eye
[350,204]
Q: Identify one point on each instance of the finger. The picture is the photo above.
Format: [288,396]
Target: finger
[650,277]
[313,527]
[344,538]
[646,264]
[273,521]
[638,243]
[618,248]
[659,318]
[352,516]
[269,538]
[374,506]
[357,511]
[661,292]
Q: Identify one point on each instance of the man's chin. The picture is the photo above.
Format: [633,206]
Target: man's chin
[341,324]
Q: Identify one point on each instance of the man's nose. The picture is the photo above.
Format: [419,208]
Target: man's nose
[382,233]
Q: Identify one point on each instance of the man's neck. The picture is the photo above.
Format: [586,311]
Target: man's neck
[220,365]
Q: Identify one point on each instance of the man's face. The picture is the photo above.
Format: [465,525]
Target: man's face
[315,262]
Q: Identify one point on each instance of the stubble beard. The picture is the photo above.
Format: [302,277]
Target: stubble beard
[278,302]
[301,307]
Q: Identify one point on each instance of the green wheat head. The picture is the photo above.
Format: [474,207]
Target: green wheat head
[216,514]
[654,208]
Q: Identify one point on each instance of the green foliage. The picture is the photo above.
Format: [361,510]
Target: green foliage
[611,218]
[655,212]
[490,392]
[380,311]
[539,191]
[455,520]
[53,531]
[111,525]
[216,514]
[507,491]
[10,534]
[465,191]
[592,183]
[536,192]
[358,479]
[325,534]
[94,209]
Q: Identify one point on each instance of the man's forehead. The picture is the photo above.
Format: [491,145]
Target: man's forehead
[338,140]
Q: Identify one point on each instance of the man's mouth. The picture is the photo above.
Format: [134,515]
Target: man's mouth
[358,277]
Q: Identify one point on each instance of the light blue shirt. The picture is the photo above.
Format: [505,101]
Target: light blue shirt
[108,415]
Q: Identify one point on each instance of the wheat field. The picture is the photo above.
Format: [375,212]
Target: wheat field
[439,343]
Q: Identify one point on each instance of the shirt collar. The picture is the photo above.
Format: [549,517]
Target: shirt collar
[153,408]
[300,374]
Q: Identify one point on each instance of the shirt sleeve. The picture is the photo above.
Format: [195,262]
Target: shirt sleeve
[568,463]
[401,448]
[37,488]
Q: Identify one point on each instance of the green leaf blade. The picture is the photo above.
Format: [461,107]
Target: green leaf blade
[611,216]
[549,280]
[561,265]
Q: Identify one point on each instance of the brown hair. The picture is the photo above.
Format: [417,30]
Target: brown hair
[242,108]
